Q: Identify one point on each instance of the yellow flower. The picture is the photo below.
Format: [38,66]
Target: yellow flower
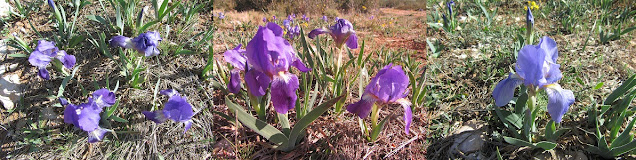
[383,25]
[364,8]
[305,24]
[533,5]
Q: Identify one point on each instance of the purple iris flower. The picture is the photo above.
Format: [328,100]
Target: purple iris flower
[177,108]
[44,53]
[221,15]
[293,32]
[341,32]
[388,86]
[86,115]
[537,69]
[104,98]
[324,18]
[274,17]
[264,19]
[145,42]
[337,18]
[450,8]
[305,18]
[287,23]
[270,57]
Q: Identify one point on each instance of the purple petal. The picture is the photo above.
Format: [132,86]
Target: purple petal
[46,47]
[63,101]
[559,101]
[96,135]
[341,31]
[104,98]
[156,116]
[235,81]
[147,43]
[317,32]
[363,107]
[70,114]
[284,92]
[269,52]
[389,84]
[178,109]
[300,66]
[39,59]
[257,82]
[88,118]
[553,73]
[505,89]
[44,74]
[169,92]
[121,41]
[188,124]
[236,57]
[68,61]
[408,114]
[51,3]
[530,65]
[352,42]
[549,46]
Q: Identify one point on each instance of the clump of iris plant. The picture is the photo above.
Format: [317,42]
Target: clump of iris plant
[537,70]
[46,52]
[291,31]
[268,56]
[177,108]
[389,86]
[86,116]
[342,32]
[146,43]
[305,18]
[221,15]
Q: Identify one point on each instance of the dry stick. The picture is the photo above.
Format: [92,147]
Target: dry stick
[401,146]
[328,143]
[369,152]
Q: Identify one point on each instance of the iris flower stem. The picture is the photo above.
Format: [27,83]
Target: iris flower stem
[375,114]
[530,114]
[339,62]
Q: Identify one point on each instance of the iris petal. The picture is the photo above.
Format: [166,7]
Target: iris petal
[284,92]
[559,101]
[408,114]
[549,46]
[505,89]
[389,84]
[155,116]
[178,109]
[104,97]
[44,74]
[121,41]
[39,59]
[363,107]
[235,81]
[236,57]
[352,42]
[68,61]
[96,135]
[530,65]
[300,66]
[88,118]
[258,82]
[317,32]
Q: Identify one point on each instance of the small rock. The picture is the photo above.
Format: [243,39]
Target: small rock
[468,138]
[10,90]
